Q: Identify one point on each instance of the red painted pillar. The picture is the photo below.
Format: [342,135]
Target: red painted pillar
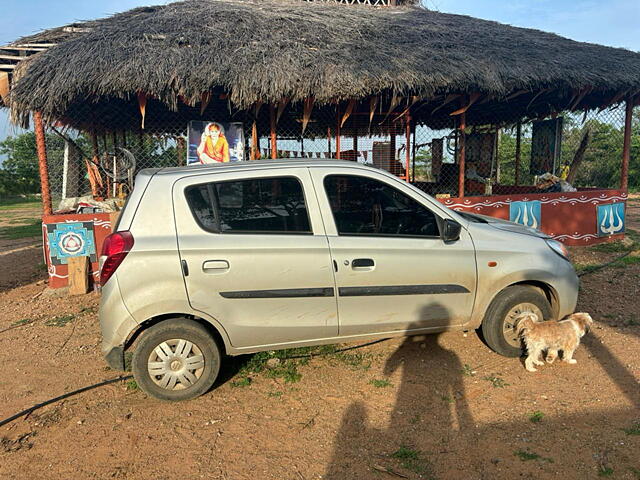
[338,133]
[626,147]
[461,154]
[274,138]
[42,163]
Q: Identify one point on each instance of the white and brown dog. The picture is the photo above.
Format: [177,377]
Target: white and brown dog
[551,337]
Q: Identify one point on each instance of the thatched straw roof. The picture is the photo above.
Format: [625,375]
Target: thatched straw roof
[264,50]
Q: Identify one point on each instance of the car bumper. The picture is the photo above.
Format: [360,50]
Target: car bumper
[116,324]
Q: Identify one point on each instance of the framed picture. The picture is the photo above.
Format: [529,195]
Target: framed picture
[215,142]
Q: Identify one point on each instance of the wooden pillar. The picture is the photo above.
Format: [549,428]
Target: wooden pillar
[413,153]
[328,142]
[461,155]
[338,128]
[407,134]
[42,163]
[273,135]
[518,140]
[626,146]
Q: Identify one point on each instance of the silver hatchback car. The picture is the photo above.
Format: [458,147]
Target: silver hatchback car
[225,259]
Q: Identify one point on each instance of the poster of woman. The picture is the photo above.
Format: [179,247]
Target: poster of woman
[214,142]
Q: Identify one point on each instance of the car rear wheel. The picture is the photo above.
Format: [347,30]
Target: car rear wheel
[176,359]
[499,321]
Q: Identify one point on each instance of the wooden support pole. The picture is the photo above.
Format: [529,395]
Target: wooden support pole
[461,154]
[78,275]
[42,164]
[338,128]
[407,144]
[413,153]
[273,133]
[518,140]
[626,146]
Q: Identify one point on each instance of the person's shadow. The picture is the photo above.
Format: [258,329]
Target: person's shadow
[430,408]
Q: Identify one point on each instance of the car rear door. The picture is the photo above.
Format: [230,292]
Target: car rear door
[394,272]
[255,255]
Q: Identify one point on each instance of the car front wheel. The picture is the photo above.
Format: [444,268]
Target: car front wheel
[498,326]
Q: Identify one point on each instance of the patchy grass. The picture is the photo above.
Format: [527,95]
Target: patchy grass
[447,399]
[536,417]
[610,247]
[380,383]
[19,203]
[277,394]
[412,460]
[468,370]
[32,229]
[60,321]
[496,381]
[526,456]
[132,385]
[243,382]
[635,471]
[22,321]
[633,430]
[605,471]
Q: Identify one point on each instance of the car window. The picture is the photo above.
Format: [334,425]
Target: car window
[263,205]
[364,206]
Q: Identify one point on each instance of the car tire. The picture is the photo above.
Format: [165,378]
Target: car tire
[497,327]
[176,359]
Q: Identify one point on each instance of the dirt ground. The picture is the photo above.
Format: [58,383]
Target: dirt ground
[440,407]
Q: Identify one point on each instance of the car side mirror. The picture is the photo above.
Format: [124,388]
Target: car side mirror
[450,231]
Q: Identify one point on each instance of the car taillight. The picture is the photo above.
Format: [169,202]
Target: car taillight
[114,249]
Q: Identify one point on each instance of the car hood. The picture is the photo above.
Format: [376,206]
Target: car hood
[505,225]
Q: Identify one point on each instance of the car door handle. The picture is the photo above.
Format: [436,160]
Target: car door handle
[215,266]
[362,263]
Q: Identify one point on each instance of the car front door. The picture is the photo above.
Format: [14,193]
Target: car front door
[255,255]
[393,270]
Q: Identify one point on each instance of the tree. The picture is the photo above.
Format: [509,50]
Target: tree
[19,172]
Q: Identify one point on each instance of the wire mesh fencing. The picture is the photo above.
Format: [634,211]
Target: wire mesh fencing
[101,158]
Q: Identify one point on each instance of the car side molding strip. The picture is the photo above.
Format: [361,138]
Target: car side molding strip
[281,293]
[401,290]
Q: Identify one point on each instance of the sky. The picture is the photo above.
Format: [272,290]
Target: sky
[609,22]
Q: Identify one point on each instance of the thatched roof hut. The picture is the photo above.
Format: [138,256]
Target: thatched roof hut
[249,51]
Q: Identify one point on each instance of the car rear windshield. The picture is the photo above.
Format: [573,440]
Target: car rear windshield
[262,205]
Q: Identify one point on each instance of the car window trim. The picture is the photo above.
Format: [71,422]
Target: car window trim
[215,205]
[385,235]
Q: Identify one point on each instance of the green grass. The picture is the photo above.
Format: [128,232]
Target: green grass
[635,471]
[243,382]
[633,430]
[605,471]
[412,460]
[132,385]
[468,370]
[536,417]
[610,247]
[22,321]
[526,456]
[496,381]
[277,394]
[447,399]
[33,229]
[380,383]
[19,202]
[59,321]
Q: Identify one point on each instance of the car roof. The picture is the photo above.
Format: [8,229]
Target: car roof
[253,164]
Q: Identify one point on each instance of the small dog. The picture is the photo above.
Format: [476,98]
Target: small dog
[551,336]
